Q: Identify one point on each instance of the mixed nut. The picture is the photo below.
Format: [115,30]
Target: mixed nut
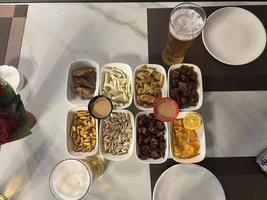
[148,86]
[116,86]
[183,86]
[83,132]
[150,137]
[84,81]
[117,133]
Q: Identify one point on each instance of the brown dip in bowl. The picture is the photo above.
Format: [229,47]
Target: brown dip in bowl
[100,107]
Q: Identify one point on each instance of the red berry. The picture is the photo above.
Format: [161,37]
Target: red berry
[8,125]
[3,131]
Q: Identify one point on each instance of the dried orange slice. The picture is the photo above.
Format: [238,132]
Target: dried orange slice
[192,121]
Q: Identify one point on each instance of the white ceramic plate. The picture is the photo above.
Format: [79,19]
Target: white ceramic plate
[166,136]
[127,70]
[122,157]
[199,89]
[71,96]
[202,140]
[69,141]
[12,76]
[188,182]
[234,36]
[164,88]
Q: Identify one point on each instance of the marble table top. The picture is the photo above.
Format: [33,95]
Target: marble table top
[56,35]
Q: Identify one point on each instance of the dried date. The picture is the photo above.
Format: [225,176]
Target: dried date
[150,137]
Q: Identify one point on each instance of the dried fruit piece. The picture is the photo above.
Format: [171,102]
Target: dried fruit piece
[192,121]
[185,143]
[150,137]
[84,81]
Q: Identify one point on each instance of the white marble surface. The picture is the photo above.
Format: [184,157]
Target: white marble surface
[57,34]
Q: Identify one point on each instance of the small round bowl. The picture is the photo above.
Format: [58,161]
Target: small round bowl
[91,104]
[166,119]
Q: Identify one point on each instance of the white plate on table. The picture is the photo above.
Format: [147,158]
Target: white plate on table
[234,36]
[188,182]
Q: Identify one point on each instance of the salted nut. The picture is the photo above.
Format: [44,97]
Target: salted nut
[83,132]
[117,133]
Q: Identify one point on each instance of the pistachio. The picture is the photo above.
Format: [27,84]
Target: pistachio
[117,133]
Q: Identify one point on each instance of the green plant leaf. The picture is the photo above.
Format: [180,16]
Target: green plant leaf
[7,93]
[11,102]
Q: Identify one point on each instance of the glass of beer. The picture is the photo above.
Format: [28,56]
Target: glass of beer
[71,179]
[97,165]
[186,22]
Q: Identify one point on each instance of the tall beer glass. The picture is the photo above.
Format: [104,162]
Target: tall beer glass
[186,22]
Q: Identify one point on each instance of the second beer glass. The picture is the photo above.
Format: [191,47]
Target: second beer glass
[186,22]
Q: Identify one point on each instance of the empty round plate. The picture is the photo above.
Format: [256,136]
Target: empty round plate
[188,181]
[234,36]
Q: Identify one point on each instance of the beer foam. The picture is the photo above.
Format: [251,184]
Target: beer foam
[186,24]
[71,180]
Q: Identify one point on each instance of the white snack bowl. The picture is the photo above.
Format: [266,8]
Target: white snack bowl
[122,157]
[166,135]
[202,140]
[80,155]
[164,88]
[71,96]
[199,89]
[127,70]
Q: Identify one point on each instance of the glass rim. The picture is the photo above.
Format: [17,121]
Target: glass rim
[3,196]
[192,4]
[67,159]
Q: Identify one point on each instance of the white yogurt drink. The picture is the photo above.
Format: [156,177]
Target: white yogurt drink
[70,180]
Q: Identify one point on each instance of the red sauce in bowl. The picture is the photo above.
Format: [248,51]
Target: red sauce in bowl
[166,109]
